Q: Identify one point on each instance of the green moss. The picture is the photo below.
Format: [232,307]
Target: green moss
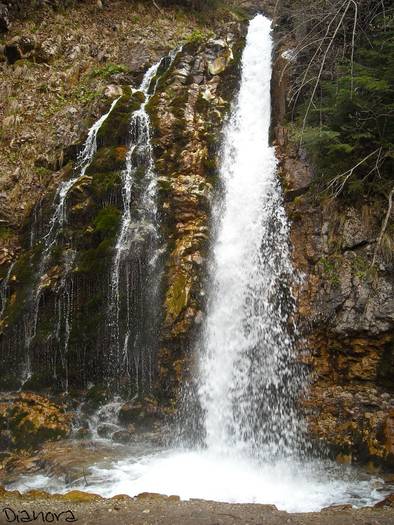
[330,269]
[116,127]
[107,222]
[361,267]
[110,158]
[25,62]
[104,182]
[108,70]
[5,232]
[95,259]
[198,37]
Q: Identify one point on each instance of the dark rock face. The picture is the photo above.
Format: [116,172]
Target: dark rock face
[345,308]
[345,303]
[4,18]
[71,343]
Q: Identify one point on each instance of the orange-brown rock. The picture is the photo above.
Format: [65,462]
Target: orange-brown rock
[187,115]
[27,420]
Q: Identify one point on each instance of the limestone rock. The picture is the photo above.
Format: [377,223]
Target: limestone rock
[220,63]
[113,91]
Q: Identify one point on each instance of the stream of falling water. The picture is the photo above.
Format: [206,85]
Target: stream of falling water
[251,447]
[135,274]
[49,240]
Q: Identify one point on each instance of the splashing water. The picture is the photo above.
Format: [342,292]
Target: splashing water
[49,240]
[247,385]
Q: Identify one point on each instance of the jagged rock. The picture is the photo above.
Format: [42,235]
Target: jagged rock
[19,47]
[142,415]
[354,232]
[221,62]
[46,52]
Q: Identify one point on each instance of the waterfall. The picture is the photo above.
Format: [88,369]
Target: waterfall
[4,289]
[56,223]
[247,382]
[83,162]
[135,276]
[48,242]
[247,387]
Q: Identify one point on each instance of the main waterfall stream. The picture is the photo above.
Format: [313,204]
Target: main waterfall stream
[250,446]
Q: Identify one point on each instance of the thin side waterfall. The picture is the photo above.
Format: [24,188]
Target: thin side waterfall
[247,383]
[49,240]
[4,289]
[83,162]
[134,280]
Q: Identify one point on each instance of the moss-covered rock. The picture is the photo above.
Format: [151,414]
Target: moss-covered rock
[30,419]
[115,129]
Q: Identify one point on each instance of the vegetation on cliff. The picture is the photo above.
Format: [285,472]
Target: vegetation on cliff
[342,96]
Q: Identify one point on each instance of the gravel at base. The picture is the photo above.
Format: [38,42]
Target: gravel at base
[155,509]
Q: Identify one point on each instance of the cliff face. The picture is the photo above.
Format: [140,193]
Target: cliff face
[345,305]
[57,270]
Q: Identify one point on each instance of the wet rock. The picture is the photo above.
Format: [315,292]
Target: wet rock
[105,430]
[141,414]
[29,420]
[386,502]
[337,508]
[96,396]
[122,436]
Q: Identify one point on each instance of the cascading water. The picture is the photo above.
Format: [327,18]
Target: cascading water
[135,276]
[47,243]
[248,381]
[247,385]
[84,160]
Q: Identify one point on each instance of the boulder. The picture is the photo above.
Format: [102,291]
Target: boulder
[27,420]
[388,501]
[221,62]
[141,414]
[122,436]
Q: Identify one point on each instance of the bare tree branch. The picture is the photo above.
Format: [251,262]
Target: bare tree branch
[384,226]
